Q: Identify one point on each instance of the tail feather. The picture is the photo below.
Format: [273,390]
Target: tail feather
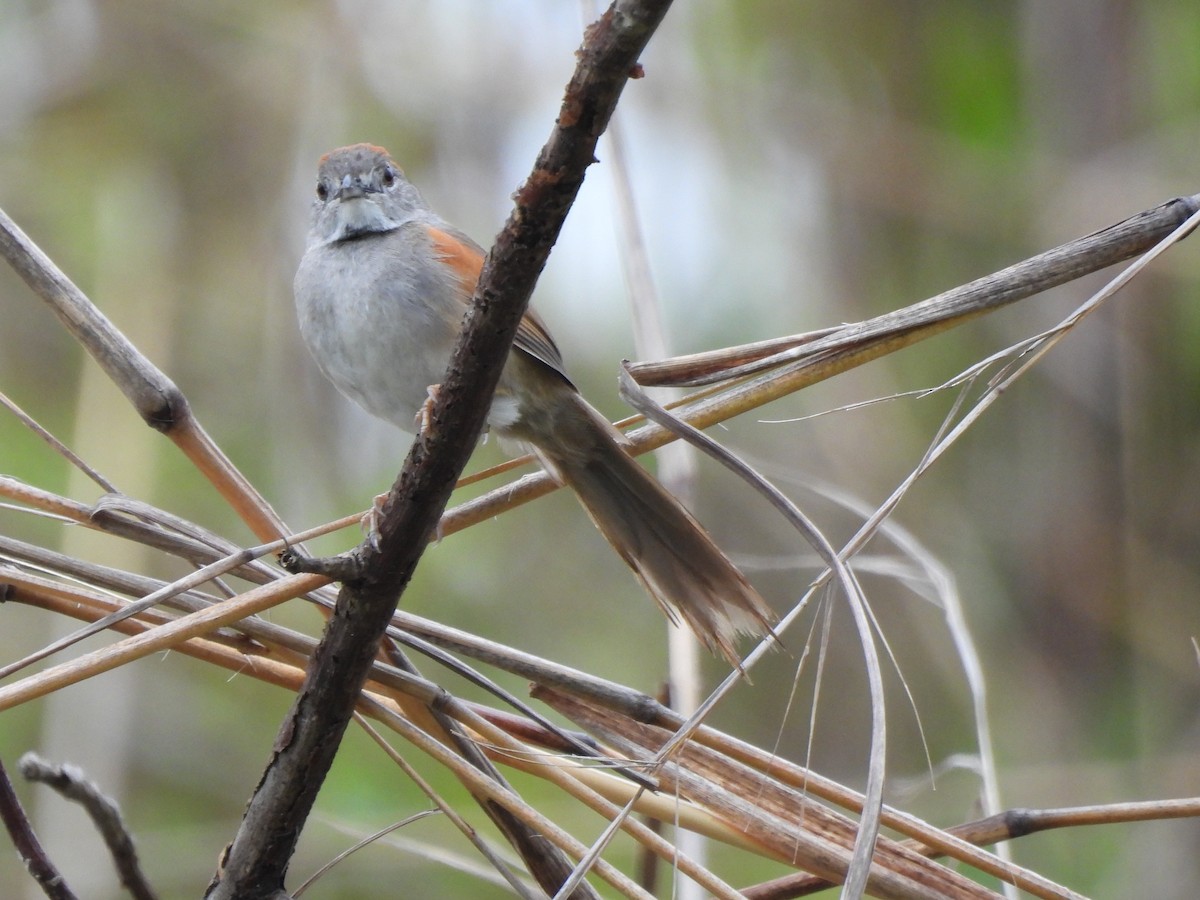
[671,554]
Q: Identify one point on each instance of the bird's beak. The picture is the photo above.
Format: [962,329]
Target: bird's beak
[351,188]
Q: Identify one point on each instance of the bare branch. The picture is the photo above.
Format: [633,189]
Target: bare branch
[256,862]
[29,848]
[157,400]
[1067,262]
[71,783]
[798,361]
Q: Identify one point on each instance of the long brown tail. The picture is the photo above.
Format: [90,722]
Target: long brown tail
[666,547]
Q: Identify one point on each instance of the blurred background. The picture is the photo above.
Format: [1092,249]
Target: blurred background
[795,165]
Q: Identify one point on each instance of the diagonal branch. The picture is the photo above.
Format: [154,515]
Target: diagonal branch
[70,782]
[256,862]
[27,845]
[777,367]
[153,395]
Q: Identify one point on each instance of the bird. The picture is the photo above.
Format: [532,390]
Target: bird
[381,292]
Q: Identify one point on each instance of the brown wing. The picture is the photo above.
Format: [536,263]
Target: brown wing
[466,257]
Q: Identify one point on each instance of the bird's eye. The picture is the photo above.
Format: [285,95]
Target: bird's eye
[389,176]
[322,190]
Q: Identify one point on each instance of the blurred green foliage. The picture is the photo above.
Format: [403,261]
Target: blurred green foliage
[795,165]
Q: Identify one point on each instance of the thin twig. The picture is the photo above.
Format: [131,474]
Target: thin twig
[1068,262]
[495,792]
[826,353]
[1009,374]
[860,868]
[192,625]
[257,859]
[29,848]
[155,397]
[809,781]
[71,783]
[366,842]
[776,818]
[58,446]
[485,850]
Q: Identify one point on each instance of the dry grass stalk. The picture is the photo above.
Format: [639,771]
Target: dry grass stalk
[725,800]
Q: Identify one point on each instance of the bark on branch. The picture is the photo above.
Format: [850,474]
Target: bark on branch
[256,862]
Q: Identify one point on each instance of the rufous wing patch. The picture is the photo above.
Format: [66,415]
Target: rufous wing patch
[464,257]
